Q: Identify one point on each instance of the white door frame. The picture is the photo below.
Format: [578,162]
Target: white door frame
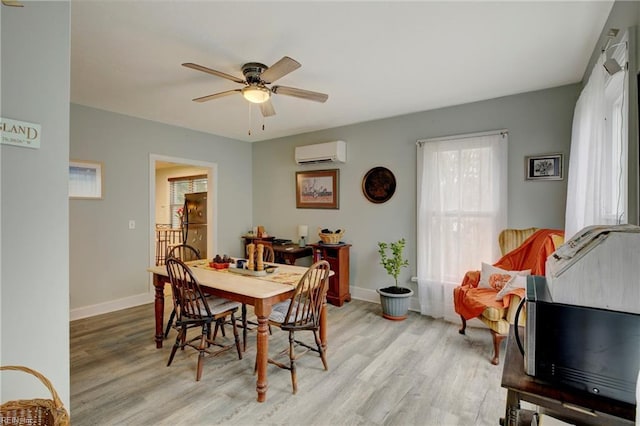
[212,204]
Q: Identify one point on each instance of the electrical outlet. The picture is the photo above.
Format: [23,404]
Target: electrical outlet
[132,224]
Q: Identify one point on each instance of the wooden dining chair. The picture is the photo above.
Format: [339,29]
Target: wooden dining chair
[194,310]
[185,253]
[302,313]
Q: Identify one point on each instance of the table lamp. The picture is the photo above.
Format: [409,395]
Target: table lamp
[302,234]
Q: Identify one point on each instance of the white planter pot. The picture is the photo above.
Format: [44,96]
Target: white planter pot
[395,306]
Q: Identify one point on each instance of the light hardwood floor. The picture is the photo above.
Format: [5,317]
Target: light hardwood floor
[416,372]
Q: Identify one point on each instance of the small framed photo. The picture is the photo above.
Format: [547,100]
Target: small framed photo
[317,189]
[85,180]
[543,167]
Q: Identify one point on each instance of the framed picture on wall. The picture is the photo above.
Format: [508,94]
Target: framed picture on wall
[317,189]
[85,179]
[543,167]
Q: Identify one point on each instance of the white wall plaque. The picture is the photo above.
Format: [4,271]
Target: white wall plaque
[20,133]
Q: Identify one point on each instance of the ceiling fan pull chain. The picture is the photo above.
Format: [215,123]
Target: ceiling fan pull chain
[249,118]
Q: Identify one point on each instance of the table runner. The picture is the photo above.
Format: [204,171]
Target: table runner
[282,277]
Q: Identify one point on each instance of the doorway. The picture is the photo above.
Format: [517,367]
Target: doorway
[160,169]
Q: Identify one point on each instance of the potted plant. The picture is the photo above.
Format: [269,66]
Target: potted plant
[394,299]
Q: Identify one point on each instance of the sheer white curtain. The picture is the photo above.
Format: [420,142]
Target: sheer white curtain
[597,182]
[462,206]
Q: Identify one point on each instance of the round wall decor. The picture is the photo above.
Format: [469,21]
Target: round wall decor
[378,185]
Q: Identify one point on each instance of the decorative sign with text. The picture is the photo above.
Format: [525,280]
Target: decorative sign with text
[20,133]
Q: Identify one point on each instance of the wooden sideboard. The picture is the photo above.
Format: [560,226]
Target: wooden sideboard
[289,253]
[284,253]
[338,258]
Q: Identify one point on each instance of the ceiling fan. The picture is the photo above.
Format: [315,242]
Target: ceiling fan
[257,78]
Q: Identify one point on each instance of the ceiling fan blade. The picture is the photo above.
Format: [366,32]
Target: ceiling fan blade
[281,68]
[12,3]
[300,93]
[213,72]
[216,95]
[266,108]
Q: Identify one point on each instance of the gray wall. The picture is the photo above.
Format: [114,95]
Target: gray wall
[100,241]
[538,122]
[35,234]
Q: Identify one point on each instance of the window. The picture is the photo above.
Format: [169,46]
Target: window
[180,186]
[462,206]
[597,189]
[614,206]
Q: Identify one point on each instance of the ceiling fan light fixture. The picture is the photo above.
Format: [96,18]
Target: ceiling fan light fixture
[256,94]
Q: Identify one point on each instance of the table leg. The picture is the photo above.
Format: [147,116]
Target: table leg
[323,325]
[511,411]
[158,283]
[262,311]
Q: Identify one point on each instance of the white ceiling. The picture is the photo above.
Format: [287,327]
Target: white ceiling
[374,59]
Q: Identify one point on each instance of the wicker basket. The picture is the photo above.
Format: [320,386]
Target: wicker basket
[34,412]
[331,238]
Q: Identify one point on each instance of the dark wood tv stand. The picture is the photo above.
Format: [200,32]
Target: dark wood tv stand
[572,406]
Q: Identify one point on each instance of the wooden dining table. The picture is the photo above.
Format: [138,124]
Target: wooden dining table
[260,292]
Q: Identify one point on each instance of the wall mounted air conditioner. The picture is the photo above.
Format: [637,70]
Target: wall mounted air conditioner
[328,152]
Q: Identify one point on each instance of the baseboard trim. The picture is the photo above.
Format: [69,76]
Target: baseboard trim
[372,296]
[111,306]
[358,293]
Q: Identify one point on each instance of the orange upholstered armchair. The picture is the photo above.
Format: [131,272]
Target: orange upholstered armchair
[493,294]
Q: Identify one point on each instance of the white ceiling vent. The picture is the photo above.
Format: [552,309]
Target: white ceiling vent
[328,152]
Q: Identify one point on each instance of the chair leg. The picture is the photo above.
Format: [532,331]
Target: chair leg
[244,327]
[497,340]
[169,323]
[235,335]
[179,338]
[215,330]
[464,325]
[292,360]
[321,351]
[206,331]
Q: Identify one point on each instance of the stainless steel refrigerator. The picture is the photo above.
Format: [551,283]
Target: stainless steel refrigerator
[195,221]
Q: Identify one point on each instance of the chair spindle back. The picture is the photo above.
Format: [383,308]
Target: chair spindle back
[184,252]
[188,300]
[306,302]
